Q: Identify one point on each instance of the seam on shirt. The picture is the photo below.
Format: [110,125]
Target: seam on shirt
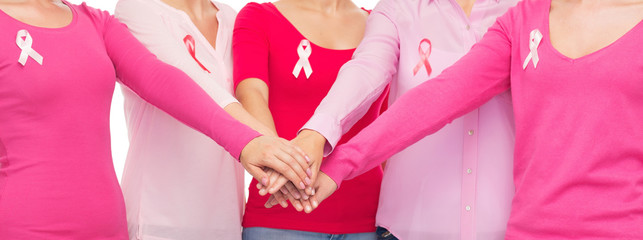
[3,165]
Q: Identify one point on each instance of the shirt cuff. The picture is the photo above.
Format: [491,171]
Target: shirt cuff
[326,126]
[337,168]
[243,140]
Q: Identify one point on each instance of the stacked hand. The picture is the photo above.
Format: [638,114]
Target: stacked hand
[268,152]
[283,188]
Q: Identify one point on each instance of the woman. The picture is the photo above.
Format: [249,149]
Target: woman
[464,170]
[58,66]
[201,196]
[286,58]
[575,73]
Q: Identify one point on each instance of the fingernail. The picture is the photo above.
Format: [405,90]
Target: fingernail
[301,184]
[264,181]
[308,182]
[315,203]
[305,196]
[307,158]
[309,173]
[262,192]
[313,191]
[308,209]
[296,195]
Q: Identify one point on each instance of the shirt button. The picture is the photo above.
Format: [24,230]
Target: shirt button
[469,171]
[470,132]
[468,208]
[468,27]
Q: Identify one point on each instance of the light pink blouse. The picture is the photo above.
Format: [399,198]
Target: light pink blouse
[177,183]
[456,183]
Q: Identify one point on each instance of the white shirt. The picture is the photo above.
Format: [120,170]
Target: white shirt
[177,183]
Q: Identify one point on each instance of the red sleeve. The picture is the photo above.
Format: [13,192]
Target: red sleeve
[169,89]
[250,44]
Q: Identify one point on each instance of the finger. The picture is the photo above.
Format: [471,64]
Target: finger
[272,201]
[295,203]
[258,174]
[285,169]
[307,206]
[286,156]
[281,199]
[277,184]
[292,190]
[298,154]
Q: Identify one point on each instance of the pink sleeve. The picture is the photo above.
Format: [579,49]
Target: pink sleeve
[474,79]
[361,80]
[250,44]
[171,90]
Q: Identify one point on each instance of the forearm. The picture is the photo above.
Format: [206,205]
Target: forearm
[237,111]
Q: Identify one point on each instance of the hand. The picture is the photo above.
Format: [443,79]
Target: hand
[312,143]
[278,154]
[323,188]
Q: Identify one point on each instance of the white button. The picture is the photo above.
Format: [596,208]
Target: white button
[468,208]
[470,132]
[469,171]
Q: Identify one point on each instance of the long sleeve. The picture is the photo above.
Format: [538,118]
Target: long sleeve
[150,28]
[361,80]
[477,77]
[171,90]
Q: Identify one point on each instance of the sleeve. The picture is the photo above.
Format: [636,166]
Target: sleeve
[149,27]
[171,90]
[250,46]
[361,80]
[478,76]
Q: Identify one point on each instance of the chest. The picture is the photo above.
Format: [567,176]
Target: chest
[72,69]
[299,69]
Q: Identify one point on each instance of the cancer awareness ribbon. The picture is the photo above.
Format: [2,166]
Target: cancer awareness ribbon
[189,42]
[25,46]
[534,41]
[424,57]
[303,50]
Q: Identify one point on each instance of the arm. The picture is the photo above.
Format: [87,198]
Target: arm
[473,80]
[359,82]
[150,28]
[172,91]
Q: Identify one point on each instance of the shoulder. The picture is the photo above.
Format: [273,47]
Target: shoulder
[134,7]
[255,14]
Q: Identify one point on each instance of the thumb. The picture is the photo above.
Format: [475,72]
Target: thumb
[326,187]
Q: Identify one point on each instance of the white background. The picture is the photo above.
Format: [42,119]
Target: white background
[118,129]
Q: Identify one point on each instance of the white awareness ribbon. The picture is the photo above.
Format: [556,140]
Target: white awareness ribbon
[25,46]
[534,41]
[303,50]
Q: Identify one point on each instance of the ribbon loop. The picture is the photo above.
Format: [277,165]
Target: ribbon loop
[24,42]
[424,57]
[304,50]
[191,45]
[535,37]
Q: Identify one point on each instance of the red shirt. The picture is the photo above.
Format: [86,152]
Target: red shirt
[265,46]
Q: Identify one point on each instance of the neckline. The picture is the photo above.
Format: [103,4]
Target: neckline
[74,19]
[219,44]
[302,35]
[550,45]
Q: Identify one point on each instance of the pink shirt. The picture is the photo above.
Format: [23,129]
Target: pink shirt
[578,162]
[57,179]
[464,170]
[201,195]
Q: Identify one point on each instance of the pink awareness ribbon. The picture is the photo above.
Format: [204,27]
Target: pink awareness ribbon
[189,42]
[424,57]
